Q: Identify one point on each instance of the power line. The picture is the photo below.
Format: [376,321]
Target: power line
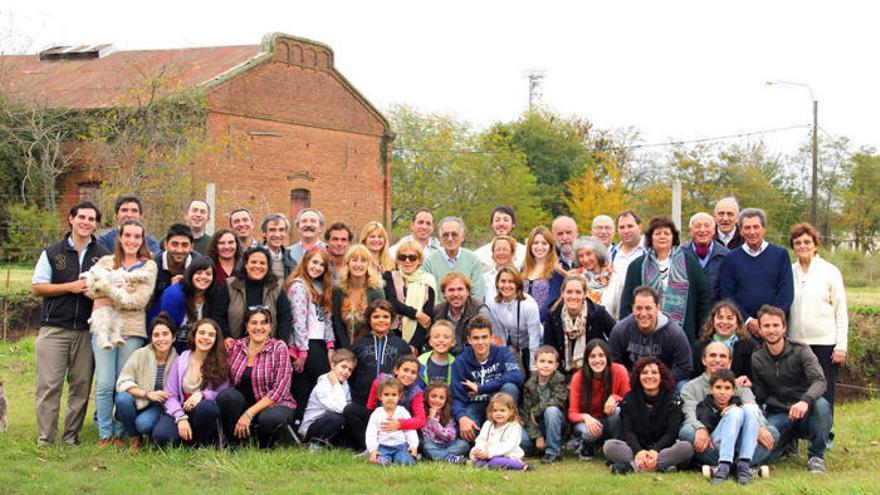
[719,138]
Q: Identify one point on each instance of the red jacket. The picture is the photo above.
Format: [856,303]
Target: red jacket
[619,388]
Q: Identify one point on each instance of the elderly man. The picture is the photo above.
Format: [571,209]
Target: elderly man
[338,237]
[275,228]
[126,208]
[629,230]
[309,224]
[726,217]
[603,229]
[650,332]
[421,230]
[565,230]
[454,258]
[241,221]
[197,216]
[709,252]
[717,356]
[758,272]
[788,380]
[503,221]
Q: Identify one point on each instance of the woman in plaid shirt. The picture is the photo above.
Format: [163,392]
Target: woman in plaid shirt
[259,372]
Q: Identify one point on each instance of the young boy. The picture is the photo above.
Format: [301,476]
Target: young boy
[436,364]
[722,414]
[544,402]
[323,420]
[386,447]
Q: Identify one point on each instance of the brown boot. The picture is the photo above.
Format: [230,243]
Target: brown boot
[135,443]
[118,442]
[103,443]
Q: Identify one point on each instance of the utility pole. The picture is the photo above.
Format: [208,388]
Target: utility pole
[814,207]
[534,76]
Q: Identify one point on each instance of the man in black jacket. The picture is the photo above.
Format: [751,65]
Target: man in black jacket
[63,346]
[788,380]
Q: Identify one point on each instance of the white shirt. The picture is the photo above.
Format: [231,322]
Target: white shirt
[755,254]
[818,311]
[726,238]
[325,397]
[376,437]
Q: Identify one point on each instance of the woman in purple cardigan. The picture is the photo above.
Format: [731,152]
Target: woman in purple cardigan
[196,377]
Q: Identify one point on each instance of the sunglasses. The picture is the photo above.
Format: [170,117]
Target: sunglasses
[407,257]
[258,308]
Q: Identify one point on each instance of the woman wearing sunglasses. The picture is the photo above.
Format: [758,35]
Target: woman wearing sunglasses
[411,291]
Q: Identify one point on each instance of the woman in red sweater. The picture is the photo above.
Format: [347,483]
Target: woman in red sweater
[595,392]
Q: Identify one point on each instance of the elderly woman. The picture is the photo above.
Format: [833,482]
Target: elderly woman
[673,272]
[225,252]
[725,324]
[359,284]
[254,285]
[411,290]
[516,320]
[374,236]
[190,300]
[140,388]
[259,375]
[459,307]
[818,313]
[133,275]
[650,416]
[575,320]
[594,265]
[195,379]
[502,248]
[541,280]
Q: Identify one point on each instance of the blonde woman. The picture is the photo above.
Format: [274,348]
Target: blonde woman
[411,290]
[374,236]
[359,284]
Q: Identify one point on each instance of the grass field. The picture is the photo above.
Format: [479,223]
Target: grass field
[19,278]
[27,469]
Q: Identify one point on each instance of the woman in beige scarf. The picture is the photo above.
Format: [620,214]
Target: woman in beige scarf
[411,291]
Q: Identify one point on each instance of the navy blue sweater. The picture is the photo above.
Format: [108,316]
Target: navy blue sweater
[500,368]
[752,282]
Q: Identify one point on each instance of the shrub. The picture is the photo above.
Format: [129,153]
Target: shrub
[28,231]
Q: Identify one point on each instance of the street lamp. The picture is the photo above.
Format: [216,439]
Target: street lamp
[814,209]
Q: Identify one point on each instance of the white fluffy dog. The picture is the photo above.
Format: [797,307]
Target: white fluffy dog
[105,323]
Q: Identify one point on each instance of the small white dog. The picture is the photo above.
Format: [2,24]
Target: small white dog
[105,323]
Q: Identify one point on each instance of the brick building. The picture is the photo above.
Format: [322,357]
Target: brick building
[307,136]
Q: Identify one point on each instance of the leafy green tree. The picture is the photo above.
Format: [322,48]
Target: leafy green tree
[861,211]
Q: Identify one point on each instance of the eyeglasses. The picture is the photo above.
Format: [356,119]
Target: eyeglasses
[258,308]
[805,242]
[407,257]
[452,235]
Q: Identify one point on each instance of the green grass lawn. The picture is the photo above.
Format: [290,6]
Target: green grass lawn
[863,296]
[19,278]
[26,469]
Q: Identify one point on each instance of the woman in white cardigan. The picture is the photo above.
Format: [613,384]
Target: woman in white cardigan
[818,314]
[140,388]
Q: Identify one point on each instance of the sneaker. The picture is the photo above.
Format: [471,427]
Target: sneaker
[572,445]
[528,467]
[668,469]
[549,459]
[720,473]
[316,447]
[135,445]
[816,465]
[744,473]
[621,468]
[456,459]
[585,453]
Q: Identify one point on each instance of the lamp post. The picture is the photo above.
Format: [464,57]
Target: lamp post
[814,202]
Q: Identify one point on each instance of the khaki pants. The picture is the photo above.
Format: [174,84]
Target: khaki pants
[62,353]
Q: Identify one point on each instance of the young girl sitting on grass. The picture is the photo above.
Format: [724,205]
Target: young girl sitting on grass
[390,446]
[497,445]
[440,435]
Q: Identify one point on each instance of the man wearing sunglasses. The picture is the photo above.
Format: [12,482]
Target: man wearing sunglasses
[454,258]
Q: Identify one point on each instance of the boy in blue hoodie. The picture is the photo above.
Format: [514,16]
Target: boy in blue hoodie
[480,371]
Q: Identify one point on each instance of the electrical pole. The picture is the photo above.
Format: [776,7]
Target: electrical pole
[814,207]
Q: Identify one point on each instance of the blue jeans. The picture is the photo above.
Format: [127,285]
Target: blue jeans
[476,410]
[736,436]
[439,452]
[396,454]
[815,426]
[134,421]
[711,455]
[551,427]
[108,365]
[610,429]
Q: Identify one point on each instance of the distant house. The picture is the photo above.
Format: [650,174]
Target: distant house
[309,137]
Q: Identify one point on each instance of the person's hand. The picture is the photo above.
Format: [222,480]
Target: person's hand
[540,443]
[423,319]
[641,460]
[481,454]
[753,326]
[433,412]
[838,356]
[184,430]
[594,426]
[177,278]
[743,381]
[157,396]
[330,353]
[609,406]
[389,425]
[299,363]
[78,286]
[228,341]
[243,426]
[702,440]
[374,456]
[192,402]
[765,438]
[651,458]
[413,451]
[472,387]
[798,410]
[467,428]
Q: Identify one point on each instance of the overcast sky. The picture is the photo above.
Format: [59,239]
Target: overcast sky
[677,70]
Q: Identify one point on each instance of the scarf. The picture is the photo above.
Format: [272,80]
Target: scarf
[575,331]
[673,300]
[417,284]
[701,249]
[729,341]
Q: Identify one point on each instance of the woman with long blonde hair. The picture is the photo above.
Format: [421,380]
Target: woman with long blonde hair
[359,284]
[374,236]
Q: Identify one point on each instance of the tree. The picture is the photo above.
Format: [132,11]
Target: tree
[600,190]
[442,164]
[861,212]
